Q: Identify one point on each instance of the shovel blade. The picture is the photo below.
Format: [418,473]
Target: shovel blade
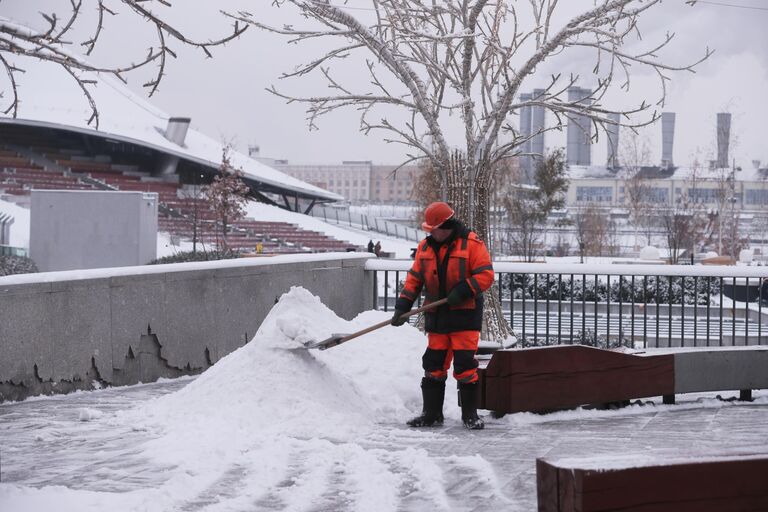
[334,340]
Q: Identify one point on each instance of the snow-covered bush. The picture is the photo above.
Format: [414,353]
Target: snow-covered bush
[10,265]
[181,257]
[653,289]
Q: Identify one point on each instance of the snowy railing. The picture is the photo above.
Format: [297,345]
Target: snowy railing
[367,223]
[637,306]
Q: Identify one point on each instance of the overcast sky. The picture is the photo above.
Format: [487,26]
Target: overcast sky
[226,98]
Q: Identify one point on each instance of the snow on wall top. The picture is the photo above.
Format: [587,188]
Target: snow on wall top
[104,273]
[51,98]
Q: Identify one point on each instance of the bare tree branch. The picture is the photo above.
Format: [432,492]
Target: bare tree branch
[51,45]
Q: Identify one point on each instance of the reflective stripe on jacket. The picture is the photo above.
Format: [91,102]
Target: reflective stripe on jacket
[460,262]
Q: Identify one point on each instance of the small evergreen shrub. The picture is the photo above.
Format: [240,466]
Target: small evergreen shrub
[186,256]
[10,265]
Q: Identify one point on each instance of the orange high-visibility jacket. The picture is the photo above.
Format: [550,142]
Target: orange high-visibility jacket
[461,262]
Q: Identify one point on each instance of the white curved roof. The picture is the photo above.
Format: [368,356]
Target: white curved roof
[51,98]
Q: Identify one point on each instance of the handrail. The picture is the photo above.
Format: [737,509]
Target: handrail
[366,222]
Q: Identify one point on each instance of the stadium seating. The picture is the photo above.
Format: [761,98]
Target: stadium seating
[19,175]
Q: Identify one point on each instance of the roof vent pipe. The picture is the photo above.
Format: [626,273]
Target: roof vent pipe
[176,131]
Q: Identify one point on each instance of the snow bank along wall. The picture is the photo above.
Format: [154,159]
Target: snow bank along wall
[62,331]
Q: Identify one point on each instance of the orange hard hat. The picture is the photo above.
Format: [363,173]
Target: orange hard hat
[436,214]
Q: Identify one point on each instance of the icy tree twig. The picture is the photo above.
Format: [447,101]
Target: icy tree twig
[51,45]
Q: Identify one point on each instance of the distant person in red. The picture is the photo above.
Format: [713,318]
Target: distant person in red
[451,262]
[377,248]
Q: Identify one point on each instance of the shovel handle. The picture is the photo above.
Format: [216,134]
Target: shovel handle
[426,307]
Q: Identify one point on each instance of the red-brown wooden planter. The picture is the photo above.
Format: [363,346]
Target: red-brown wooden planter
[715,484]
[551,378]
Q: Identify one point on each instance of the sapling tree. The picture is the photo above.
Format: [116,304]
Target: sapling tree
[227,196]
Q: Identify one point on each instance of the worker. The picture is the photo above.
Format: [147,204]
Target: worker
[451,262]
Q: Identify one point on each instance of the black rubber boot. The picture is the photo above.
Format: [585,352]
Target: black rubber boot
[433,394]
[468,397]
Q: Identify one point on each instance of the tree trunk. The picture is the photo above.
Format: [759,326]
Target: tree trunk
[495,326]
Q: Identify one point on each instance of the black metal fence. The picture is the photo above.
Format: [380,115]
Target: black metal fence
[637,306]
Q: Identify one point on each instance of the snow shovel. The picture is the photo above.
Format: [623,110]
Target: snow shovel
[338,339]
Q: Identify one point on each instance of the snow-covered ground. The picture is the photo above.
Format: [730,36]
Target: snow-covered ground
[275,427]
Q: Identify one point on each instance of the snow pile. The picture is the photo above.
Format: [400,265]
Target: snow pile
[649,252]
[298,317]
[273,387]
[89,414]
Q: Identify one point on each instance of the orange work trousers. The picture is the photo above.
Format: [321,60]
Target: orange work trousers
[459,347]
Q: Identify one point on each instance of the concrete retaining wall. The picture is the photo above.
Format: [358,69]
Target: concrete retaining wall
[61,331]
[721,369]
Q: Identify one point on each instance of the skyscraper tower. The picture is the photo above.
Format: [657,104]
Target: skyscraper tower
[579,147]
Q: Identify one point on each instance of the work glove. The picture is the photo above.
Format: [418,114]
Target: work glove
[457,295]
[398,319]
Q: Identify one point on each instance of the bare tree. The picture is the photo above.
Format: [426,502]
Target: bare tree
[62,44]
[726,215]
[465,62]
[524,222]
[593,231]
[683,226]
[470,59]
[637,190]
[685,220]
[426,188]
[528,208]
[227,195]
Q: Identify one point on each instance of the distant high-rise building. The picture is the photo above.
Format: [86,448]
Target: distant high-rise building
[525,132]
[579,149]
[612,160]
[723,139]
[667,139]
[538,124]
